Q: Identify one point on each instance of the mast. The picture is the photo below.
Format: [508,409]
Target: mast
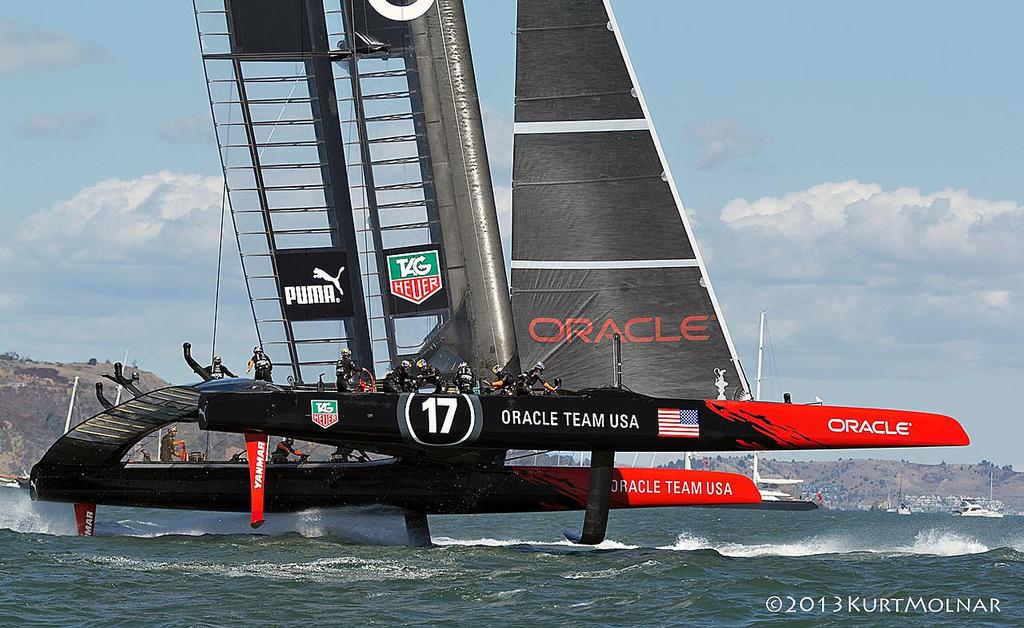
[757,390]
[71,406]
[760,357]
[462,183]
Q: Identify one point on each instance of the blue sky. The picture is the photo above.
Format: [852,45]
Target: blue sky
[854,169]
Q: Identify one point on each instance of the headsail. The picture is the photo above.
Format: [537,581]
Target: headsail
[335,120]
[600,243]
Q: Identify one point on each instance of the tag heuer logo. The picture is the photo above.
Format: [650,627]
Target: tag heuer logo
[415,277]
[324,413]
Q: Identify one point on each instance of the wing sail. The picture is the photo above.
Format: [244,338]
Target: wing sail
[601,245]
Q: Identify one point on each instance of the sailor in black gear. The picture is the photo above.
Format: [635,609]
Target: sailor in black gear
[262,364]
[287,448]
[429,376]
[526,382]
[403,377]
[464,378]
[503,383]
[345,370]
[390,383]
[217,370]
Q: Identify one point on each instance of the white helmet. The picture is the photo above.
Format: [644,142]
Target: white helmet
[539,366]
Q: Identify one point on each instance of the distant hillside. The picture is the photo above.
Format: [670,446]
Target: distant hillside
[34,400]
[860,483]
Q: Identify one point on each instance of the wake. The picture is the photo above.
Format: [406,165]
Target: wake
[374,525]
[930,542]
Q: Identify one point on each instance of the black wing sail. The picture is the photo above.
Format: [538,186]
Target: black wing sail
[356,169]
[601,244]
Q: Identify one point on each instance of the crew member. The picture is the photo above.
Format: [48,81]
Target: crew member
[403,377]
[287,448]
[390,383]
[503,381]
[464,378]
[262,364]
[526,381]
[429,376]
[169,445]
[217,370]
[345,370]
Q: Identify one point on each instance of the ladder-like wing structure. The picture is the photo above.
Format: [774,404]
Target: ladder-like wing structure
[357,176]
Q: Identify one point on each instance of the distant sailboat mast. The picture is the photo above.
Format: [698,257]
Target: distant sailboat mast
[117,399]
[760,359]
[757,388]
[71,406]
[755,471]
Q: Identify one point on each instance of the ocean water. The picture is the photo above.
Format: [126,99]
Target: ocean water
[659,567]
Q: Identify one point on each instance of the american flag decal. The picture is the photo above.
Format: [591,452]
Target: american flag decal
[678,423]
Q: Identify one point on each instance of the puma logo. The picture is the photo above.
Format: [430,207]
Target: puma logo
[318,294]
[336,280]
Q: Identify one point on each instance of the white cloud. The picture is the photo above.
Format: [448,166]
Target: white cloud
[835,225]
[158,218]
[724,141]
[124,263]
[26,49]
[867,281]
[187,130]
[74,125]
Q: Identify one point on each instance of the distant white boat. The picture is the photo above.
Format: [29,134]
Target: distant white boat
[903,510]
[970,509]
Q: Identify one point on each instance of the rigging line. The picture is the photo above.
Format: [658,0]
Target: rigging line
[220,264]
[354,77]
[357,130]
[273,129]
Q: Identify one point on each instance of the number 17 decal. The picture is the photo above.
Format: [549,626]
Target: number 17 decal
[430,407]
[439,420]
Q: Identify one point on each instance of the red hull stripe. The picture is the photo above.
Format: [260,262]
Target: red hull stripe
[795,426]
[644,488]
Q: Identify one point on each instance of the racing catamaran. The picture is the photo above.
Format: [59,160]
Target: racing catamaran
[357,175]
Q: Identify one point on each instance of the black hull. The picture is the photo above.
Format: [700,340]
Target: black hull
[296,487]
